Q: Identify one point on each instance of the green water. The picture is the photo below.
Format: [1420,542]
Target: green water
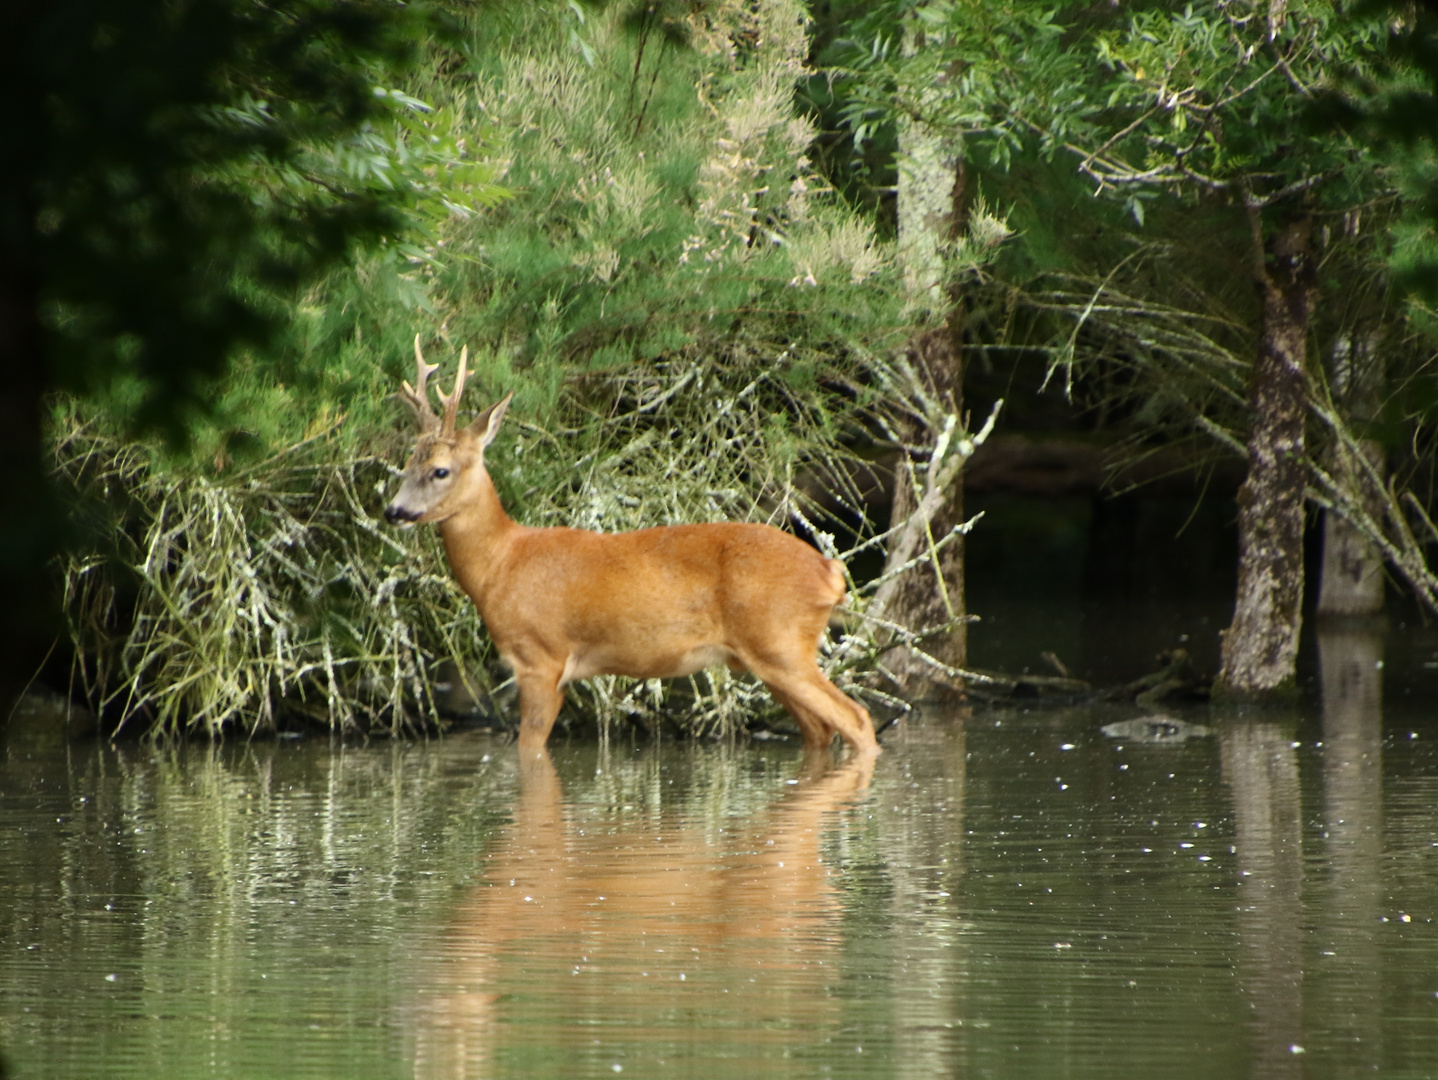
[1010,894]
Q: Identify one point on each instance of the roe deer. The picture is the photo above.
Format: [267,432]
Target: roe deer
[564,604]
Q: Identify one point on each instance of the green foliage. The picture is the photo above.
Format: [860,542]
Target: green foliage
[688,318]
[1391,106]
[1212,127]
[1199,123]
[1207,98]
[269,594]
[194,164]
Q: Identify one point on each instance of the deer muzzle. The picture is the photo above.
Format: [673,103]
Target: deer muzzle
[396,514]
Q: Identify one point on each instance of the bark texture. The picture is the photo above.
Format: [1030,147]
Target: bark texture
[925,595]
[1352,568]
[1260,647]
[1352,581]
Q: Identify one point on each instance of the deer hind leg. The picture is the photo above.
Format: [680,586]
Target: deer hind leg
[817,734]
[850,719]
[820,708]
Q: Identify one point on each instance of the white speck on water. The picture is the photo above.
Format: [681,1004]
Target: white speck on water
[112,978]
[1294,1048]
[1067,746]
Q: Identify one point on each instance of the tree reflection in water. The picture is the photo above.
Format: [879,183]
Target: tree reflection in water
[1351,660]
[614,926]
[1260,765]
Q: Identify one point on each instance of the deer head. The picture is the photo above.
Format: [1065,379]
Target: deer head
[447,464]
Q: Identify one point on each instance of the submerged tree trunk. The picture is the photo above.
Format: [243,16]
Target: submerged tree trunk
[932,199]
[1260,647]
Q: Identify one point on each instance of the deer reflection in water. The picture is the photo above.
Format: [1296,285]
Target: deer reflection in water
[637,928]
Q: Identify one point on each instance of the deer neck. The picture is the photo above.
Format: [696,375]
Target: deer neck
[477,538]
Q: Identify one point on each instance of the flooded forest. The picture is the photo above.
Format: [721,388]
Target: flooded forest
[402,671]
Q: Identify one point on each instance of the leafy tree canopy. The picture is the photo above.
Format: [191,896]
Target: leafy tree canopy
[180,164]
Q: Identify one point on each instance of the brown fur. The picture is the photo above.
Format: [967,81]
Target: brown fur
[565,604]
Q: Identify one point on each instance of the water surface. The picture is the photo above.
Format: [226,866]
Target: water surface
[1009,894]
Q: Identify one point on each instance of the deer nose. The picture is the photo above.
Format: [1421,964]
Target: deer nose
[395,514]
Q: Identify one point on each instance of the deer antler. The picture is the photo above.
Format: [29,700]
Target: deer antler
[417,396]
[451,402]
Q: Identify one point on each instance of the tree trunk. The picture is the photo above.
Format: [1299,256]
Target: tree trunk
[927,596]
[1260,648]
[1352,571]
[932,201]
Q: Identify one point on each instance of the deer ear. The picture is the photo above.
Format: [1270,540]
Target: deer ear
[486,425]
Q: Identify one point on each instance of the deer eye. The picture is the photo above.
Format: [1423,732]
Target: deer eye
[440,473]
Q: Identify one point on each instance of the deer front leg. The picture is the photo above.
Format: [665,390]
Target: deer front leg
[540,697]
